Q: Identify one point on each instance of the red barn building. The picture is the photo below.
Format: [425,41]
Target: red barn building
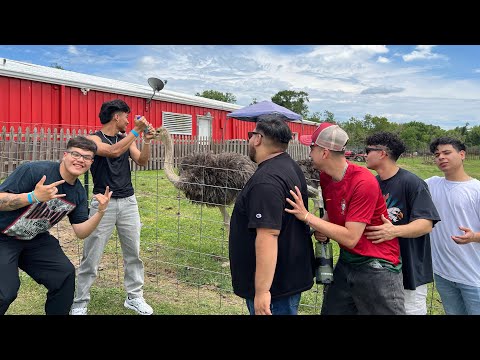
[40,96]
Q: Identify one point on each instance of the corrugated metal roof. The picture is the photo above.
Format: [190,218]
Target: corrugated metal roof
[46,74]
[22,70]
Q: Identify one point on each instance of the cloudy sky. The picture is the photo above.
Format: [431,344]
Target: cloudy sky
[437,85]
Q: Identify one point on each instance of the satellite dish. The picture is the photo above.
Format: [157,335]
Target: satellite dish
[156,84]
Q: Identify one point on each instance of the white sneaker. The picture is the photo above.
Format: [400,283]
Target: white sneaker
[139,305]
[78,311]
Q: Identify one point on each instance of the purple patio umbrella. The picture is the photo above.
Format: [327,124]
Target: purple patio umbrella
[250,113]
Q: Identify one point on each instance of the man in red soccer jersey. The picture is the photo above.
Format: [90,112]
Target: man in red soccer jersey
[367,278]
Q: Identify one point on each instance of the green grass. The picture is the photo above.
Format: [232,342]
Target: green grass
[185,251]
[426,170]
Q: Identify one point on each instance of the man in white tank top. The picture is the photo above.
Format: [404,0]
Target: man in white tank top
[456,239]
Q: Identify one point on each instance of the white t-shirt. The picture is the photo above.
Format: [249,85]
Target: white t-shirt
[458,203]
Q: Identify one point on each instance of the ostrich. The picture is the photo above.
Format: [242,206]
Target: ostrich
[212,179]
[313,183]
[216,179]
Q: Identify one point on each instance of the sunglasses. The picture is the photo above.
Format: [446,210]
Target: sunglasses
[77,155]
[251,133]
[368,149]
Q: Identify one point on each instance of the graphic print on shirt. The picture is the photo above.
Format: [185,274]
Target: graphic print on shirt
[39,218]
[394,212]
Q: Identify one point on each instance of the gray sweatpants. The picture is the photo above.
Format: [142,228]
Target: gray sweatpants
[122,213]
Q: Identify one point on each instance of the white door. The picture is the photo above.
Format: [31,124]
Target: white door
[204,127]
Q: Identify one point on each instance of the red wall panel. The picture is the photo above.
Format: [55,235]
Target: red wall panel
[25,100]
[36,120]
[14,104]
[29,103]
[55,104]
[4,102]
[47,105]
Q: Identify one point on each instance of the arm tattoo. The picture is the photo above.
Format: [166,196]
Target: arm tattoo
[10,202]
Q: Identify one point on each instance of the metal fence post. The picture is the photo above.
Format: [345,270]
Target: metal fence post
[85,185]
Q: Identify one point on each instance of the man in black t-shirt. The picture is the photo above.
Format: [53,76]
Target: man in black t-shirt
[271,252]
[112,167]
[412,217]
[35,197]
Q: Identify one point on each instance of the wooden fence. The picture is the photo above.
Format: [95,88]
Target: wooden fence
[17,147]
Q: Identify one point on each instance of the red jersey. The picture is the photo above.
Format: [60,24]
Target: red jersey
[358,198]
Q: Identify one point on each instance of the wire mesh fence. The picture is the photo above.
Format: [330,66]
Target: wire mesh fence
[184,241]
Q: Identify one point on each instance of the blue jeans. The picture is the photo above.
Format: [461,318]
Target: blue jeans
[458,299]
[287,305]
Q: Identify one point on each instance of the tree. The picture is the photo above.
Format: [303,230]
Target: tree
[254,101]
[329,117]
[57,66]
[293,100]
[381,124]
[462,130]
[217,95]
[357,132]
[417,135]
[473,136]
[315,117]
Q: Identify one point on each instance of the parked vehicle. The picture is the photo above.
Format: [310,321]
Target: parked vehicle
[353,155]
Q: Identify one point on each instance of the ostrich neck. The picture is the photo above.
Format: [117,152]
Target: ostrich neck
[168,166]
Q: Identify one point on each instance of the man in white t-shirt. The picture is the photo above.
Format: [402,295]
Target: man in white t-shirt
[456,239]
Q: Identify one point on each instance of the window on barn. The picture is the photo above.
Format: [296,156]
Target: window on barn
[180,124]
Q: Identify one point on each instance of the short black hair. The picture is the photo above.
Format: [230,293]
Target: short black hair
[395,145]
[445,140]
[110,108]
[275,129]
[83,143]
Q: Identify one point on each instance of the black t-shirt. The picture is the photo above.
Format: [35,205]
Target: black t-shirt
[114,172]
[409,199]
[29,221]
[261,204]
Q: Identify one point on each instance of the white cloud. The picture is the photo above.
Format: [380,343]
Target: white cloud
[148,60]
[422,52]
[72,49]
[333,76]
